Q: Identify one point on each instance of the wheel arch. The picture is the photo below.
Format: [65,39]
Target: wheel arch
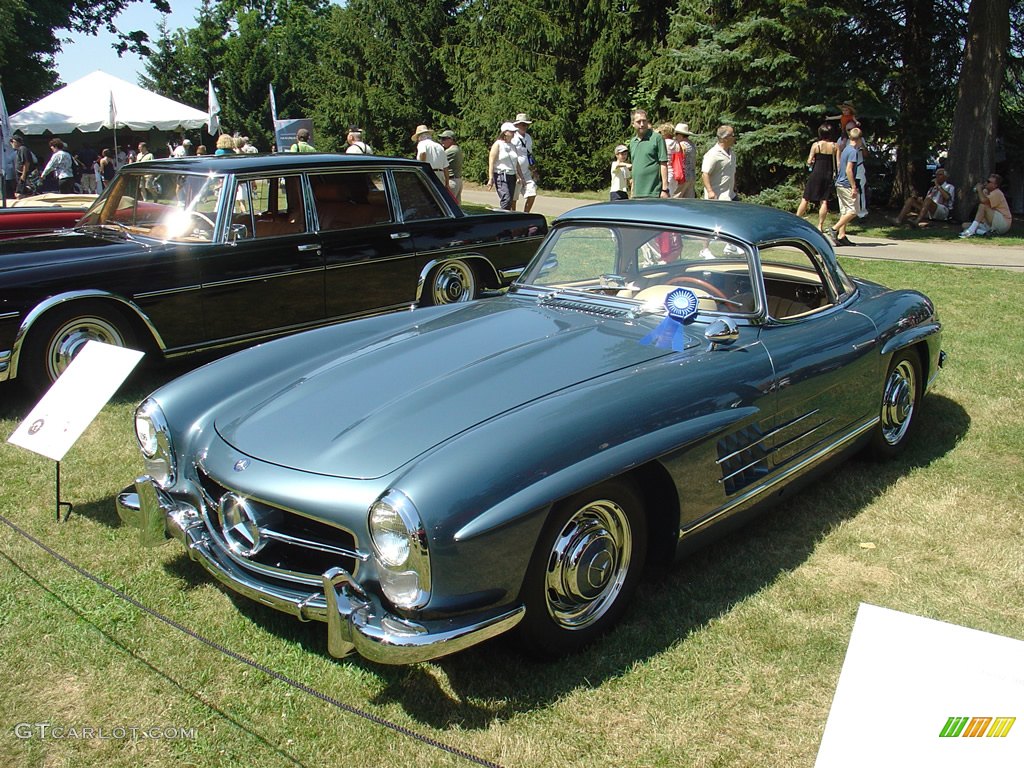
[140,322]
[482,267]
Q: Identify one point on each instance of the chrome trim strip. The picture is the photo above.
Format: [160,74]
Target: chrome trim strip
[766,435]
[371,260]
[473,246]
[261,278]
[764,487]
[168,292]
[508,275]
[310,544]
[8,315]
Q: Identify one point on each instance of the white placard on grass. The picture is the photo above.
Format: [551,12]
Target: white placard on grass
[916,691]
[74,400]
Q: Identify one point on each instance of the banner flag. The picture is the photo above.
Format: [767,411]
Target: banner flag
[213,124]
[273,104]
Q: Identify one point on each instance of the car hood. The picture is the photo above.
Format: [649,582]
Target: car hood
[368,412]
[61,248]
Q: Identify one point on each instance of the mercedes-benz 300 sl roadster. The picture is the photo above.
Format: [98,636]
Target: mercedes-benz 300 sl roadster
[423,482]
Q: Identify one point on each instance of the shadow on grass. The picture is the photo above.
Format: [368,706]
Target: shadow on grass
[495,681]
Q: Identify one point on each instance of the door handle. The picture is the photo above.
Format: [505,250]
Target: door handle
[310,247]
[399,235]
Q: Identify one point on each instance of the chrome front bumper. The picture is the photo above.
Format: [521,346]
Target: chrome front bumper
[355,621]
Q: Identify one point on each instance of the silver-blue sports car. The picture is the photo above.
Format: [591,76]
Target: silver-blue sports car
[427,480]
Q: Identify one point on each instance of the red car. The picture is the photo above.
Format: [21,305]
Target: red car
[43,213]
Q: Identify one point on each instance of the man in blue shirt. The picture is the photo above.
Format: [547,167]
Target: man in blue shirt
[847,187]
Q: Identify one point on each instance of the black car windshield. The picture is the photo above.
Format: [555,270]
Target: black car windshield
[166,206]
[646,264]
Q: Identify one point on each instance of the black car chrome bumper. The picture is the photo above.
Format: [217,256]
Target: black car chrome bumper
[355,621]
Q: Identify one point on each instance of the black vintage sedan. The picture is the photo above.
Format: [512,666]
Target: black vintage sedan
[189,254]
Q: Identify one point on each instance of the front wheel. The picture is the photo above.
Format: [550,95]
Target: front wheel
[901,396]
[584,570]
[451,283]
[60,335]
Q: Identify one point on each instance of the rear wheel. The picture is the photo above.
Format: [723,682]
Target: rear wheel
[60,335]
[901,396]
[451,283]
[585,568]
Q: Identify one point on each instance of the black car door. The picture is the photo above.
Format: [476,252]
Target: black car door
[368,255]
[269,274]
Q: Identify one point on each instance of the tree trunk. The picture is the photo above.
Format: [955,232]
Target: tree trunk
[915,87]
[975,120]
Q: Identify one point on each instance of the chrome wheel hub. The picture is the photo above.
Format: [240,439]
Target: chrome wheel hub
[898,402]
[69,339]
[588,564]
[453,283]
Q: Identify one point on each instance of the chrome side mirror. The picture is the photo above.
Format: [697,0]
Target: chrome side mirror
[238,232]
[722,331]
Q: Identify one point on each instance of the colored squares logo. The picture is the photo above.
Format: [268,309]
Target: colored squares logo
[977,726]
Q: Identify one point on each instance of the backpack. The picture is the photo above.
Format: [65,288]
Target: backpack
[679,166]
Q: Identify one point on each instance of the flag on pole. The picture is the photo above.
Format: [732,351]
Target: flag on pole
[213,125]
[273,104]
[112,115]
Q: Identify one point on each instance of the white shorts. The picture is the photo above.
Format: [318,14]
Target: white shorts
[531,189]
[847,202]
[941,212]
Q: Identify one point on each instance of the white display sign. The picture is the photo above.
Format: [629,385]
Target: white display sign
[915,691]
[75,398]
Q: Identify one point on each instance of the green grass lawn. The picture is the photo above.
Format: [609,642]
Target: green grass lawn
[730,660]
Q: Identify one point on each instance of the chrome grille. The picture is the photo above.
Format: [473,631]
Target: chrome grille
[297,549]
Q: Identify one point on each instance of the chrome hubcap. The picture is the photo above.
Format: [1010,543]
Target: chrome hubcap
[588,564]
[69,339]
[898,402]
[453,283]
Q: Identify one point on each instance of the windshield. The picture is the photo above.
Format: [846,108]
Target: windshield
[166,206]
[646,264]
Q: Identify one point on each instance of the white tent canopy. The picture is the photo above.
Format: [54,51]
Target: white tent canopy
[99,101]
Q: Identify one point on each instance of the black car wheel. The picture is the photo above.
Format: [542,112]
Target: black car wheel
[584,570]
[451,283]
[60,335]
[901,395]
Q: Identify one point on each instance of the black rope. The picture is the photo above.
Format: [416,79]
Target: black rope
[376,719]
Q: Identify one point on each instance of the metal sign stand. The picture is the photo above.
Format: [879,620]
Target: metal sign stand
[60,503]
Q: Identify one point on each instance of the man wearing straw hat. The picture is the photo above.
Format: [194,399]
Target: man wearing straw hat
[429,151]
[523,143]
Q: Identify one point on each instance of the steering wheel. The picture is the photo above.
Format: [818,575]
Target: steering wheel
[206,220]
[713,291]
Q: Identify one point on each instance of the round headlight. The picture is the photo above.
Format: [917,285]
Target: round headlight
[154,436]
[391,537]
[145,433]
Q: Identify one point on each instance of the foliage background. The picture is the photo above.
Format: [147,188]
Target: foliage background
[772,68]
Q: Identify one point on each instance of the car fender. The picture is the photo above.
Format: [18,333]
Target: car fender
[63,299]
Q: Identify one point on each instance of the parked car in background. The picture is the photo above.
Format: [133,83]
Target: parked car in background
[424,482]
[188,254]
[42,213]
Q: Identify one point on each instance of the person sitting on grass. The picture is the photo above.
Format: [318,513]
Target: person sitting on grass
[935,205]
[993,211]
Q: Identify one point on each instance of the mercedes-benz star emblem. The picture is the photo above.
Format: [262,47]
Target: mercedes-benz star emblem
[241,525]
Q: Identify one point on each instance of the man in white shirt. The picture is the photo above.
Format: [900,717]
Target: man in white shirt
[935,205]
[719,166]
[429,151]
[356,145]
[523,143]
